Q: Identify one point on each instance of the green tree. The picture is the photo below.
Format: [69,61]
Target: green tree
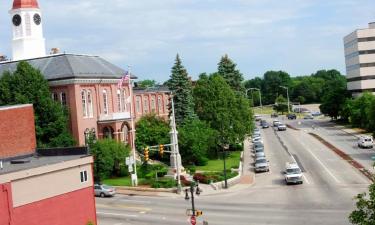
[147,83]
[196,142]
[151,130]
[281,104]
[334,97]
[364,214]
[227,69]
[180,84]
[109,157]
[271,85]
[27,85]
[225,111]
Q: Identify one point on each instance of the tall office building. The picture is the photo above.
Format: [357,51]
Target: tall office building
[360,60]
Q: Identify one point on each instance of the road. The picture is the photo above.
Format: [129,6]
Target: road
[326,197]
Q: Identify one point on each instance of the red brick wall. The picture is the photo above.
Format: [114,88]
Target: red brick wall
[17,131]
[5,203]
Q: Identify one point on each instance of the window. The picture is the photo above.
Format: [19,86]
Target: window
[90,107]
[153,104]
[123,100]
[84,103]
[63,98]
[54,97]
[83,175]
[138,106]
[119,101]
[105,102]
[166,103]
[28,24]
[145,105]
[160,104]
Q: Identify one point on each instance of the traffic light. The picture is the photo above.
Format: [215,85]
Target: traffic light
[146,154]
[161,150]
[198,213]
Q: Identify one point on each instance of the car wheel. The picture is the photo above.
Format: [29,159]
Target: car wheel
[102,195]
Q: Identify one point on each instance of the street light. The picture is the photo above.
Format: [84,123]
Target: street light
[287,94]
[260,97]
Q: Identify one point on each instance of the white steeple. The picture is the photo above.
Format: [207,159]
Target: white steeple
[28,41]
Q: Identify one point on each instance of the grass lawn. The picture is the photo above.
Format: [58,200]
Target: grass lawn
[232,160]
[122,181]
[263,110]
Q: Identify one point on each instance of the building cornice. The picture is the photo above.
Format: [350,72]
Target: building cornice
[83,81]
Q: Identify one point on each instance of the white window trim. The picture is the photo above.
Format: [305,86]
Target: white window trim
[83,176]
[105,102]
[90,108]
[84,103]
[61,98]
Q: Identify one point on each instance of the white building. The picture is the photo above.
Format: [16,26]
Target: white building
[360,60]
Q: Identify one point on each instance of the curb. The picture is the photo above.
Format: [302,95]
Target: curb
[144,189]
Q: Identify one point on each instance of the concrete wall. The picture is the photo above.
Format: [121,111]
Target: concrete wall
[17,131]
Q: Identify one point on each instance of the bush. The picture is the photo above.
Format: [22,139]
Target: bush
[163,183]
[206,178]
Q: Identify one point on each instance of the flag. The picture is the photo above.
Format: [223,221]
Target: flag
[123,79]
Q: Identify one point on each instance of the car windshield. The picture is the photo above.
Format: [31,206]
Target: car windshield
[368,139]
[106,187]
[261,161]
[293,171]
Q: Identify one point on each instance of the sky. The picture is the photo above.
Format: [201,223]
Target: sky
[296,36]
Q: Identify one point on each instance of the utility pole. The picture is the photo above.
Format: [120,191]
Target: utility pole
[287,95]
[134,175]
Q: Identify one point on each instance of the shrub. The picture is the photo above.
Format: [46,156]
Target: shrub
[163,183]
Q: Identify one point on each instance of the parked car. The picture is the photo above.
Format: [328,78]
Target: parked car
[276,123]
[258,144]
[316,114]
[291,116]
[274,115]
[259,153]
[308,117]
[293,174]
[365,142]
[257,117]
[103,190]
[281,127]
[257,139]
[261,165]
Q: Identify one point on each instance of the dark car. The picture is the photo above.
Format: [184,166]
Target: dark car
[291,116]
[274,115]
[264,124]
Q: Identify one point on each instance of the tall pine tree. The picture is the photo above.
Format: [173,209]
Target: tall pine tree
[227,69]
[180,84]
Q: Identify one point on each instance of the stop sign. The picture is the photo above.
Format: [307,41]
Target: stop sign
[193,220]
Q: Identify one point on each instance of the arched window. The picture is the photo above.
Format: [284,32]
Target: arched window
[166,103]
[153,104]
[54,97]
[138,104]
[90,106]
[160,104]
[84,103]
[145,104]
[119,101]
[63,98]
[105,102]
[28,24]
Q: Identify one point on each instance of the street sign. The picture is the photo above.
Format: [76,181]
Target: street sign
[127,160]
[193,221]
[131,159]
[130,168]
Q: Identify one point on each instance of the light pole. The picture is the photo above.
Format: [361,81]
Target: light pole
[287,95]
[260,97]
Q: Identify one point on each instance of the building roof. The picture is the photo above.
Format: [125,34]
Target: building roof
[17,4]
[7,107]
[68,66]
[158,88]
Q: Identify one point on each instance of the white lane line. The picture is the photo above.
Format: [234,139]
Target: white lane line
[305,178]
[321,163]
[116,214]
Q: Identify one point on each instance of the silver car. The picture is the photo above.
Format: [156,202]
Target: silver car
[103,190]
[261,165]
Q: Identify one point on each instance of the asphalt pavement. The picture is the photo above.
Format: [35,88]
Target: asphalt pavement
[325,197]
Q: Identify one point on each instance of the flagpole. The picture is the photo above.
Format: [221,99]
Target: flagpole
[134,175]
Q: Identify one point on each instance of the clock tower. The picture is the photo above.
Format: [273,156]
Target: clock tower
[28,41]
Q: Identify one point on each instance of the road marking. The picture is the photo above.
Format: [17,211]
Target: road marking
[137,208]
[321,163]
[305,178]
[116,214]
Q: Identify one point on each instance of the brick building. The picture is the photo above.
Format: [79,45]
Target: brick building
[41,187]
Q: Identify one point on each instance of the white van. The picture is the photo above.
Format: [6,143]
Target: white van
[365,142]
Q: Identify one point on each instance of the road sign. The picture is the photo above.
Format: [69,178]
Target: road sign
[130,168]
[131,160]
[127,160]
[193,220]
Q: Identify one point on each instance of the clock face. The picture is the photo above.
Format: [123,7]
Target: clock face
[16,20]
[37,19]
